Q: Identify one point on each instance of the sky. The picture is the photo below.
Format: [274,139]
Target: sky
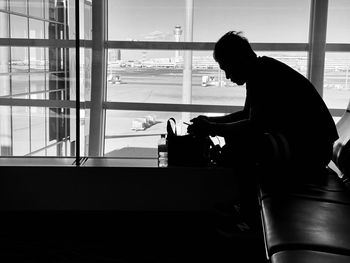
[260,20]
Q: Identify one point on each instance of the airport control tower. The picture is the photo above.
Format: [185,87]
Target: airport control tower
[177,34]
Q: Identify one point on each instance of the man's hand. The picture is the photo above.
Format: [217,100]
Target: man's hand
[201,126]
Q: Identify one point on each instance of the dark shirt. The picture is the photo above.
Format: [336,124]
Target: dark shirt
[282,100]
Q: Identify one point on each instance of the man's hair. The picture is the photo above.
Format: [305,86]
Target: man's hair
[232,45]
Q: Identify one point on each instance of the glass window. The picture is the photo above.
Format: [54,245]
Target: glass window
[37,126]
[4,59]
[37,83]
[51,30]
[19,26]
[36,29]
[155,20]
[36,8]
[338,21]
[137,132]
[3,4]
[336,92]
[152,20]
[19,59]
[20,84]
[4,29]
[20,130]
[144,76]
[5,131]
[5,85]
[259,20]
[19,6]
[37,59]
[296,60]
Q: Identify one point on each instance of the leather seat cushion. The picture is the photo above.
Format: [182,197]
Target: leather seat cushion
[326,187]
[306,256]
[295,223]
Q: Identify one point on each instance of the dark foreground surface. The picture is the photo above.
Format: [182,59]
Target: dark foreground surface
[126,237]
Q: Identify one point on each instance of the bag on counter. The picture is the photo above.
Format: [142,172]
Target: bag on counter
[187,150]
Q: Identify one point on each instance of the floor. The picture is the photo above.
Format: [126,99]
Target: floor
[127,237]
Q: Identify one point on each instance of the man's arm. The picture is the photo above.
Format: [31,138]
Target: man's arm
[203,127]
[233,129]
[229,118]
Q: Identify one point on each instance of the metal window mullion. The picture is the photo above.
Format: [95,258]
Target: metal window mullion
[165,107]
[187,67]
[317,42]
[98,83]
[77,81]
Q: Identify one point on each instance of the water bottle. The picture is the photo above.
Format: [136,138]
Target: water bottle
[162,152]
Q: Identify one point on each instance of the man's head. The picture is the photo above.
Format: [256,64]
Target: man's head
[235,56]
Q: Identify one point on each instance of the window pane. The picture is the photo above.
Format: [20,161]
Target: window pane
[19,6]
[5,131]
[37,59]
[37,83]
[36,8]
[144,76]
[136,133]
[20,84]
[19,59]
[5,85]
[338,21]
[4,59]
[38,128]
[152,20]
[336,91]
[3,4]
[19,27]
[20,131]
[296,60]
[4,30]
[36,29]
[155,20]
[260,20]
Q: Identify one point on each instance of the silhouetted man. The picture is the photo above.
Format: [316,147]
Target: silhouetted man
[283,113]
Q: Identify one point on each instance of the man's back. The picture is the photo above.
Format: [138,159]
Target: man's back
[282,100]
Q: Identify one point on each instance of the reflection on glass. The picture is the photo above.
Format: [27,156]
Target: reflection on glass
[19,6]
[19,59]
[20,84]
[37,83]
[37,126]
[19,27]
[36,29]
[4,59]
[4,30]
[36,8]
[3,4]
[5,131]
[20,131]
[37,59]
[51,30]
[5,85]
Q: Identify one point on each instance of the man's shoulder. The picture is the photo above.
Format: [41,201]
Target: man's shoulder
[269,60]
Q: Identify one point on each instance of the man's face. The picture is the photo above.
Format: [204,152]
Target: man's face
[234,72]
